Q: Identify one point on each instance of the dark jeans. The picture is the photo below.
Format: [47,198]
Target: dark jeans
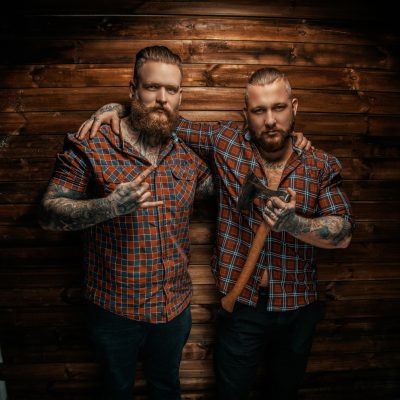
[118,343]
[250,336]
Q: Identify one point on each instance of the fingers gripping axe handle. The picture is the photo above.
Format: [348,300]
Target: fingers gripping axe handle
[252,187]
[228,301]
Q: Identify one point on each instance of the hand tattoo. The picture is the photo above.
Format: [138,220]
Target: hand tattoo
[122,110]
[122,201]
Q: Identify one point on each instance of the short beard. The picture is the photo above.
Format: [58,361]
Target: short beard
[269,147]
[153,128]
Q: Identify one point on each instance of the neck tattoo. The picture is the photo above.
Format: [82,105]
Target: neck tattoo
[274,166]
[142,146]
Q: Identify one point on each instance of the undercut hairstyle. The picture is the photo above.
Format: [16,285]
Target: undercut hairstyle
[267,76]
[155,53]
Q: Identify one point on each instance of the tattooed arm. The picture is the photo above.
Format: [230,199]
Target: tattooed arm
[108,114]
[64,209]
[327,232]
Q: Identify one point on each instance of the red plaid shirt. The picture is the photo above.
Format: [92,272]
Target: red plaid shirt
[136,264]
[315,177]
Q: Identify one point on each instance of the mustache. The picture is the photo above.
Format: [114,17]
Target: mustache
[160,108]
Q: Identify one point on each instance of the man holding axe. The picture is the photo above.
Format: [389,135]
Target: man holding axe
[309,210]
[276,204]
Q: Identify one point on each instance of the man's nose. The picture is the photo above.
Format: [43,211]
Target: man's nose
[270,120]
[162,96]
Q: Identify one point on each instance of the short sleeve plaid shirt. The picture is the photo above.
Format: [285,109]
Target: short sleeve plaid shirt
[315,177]
[136,264]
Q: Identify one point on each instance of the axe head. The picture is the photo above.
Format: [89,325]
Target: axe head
[252,187]
[248,192]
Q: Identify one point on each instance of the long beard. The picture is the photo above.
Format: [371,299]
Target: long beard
[153,127]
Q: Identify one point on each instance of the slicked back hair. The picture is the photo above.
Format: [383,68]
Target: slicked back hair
[155,53]
[267,76]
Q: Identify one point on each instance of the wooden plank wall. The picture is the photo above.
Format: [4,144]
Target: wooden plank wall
[62,60]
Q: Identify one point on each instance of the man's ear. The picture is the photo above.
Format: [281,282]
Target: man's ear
[245,115]
[132,90]
[245,118]
[180,96]
[295,104]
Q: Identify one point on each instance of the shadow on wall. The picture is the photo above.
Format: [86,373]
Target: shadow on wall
[3,393]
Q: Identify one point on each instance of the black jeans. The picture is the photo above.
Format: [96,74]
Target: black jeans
[250,336]
[118,342]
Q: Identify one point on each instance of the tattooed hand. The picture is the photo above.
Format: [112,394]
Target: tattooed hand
[129,196]
[108,114]
[331,231]
[279,215]
[63,209]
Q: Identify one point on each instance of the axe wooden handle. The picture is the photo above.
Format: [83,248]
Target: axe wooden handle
[228,301]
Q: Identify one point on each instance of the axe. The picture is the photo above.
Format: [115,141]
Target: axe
[251,188]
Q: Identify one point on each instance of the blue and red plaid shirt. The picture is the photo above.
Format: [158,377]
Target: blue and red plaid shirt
[315,177]
[136,265]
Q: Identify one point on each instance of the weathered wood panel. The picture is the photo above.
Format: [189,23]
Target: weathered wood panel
[203,51]
[54,99]
[218,75]
[211,28]
[57,68]
[365,127]
[340,10]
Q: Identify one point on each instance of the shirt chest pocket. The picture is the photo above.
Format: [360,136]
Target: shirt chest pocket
[113,175]
[184,184]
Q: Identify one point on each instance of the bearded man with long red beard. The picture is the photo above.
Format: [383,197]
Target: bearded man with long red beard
[132,195]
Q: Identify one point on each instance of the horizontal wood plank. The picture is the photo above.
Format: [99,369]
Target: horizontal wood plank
[51,51]
[62,99]
[362,210]
[65,275]
[362,190]
[162,27]
[61,122]
[63,324]
[340,146]
[340,10]
[40,169]
[202,294]
[210,75]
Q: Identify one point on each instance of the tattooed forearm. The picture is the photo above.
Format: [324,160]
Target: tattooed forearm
[65,210]
[73,215]
[334,229]
[205,190]
[330,230]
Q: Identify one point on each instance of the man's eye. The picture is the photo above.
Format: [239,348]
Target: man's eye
[151,87]
[258,111]
[172,90]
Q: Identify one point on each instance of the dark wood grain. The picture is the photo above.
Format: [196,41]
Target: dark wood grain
[61,61]
[210,75]
[99,51]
